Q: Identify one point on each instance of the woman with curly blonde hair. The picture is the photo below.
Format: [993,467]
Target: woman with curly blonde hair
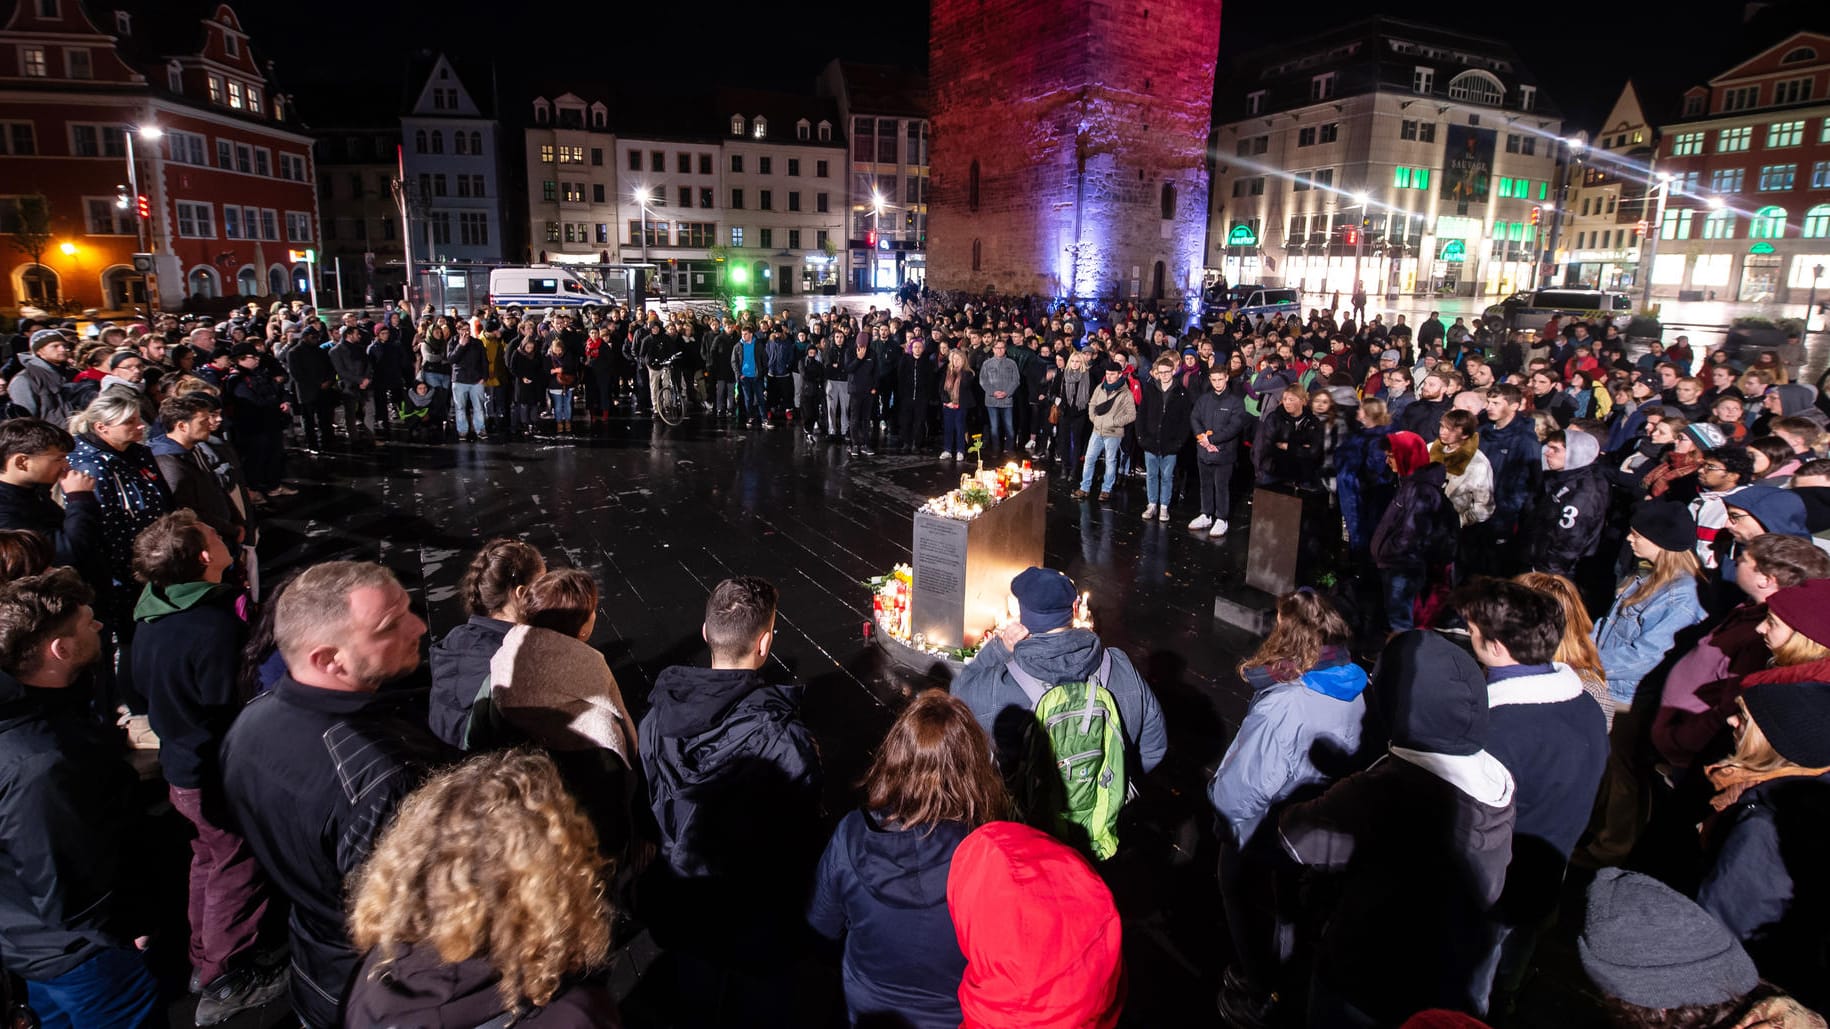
[485,896]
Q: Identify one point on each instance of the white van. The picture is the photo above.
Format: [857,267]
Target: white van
[542,285]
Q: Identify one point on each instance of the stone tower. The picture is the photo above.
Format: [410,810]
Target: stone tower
[1069,145]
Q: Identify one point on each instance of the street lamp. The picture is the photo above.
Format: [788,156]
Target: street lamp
[642,196]
[1573,147]
[1653,231]
[876,231]
[1817,272]
[1359,238]
[152,134]
[76,267]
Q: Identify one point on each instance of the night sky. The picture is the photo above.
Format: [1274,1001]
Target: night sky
[1582,54]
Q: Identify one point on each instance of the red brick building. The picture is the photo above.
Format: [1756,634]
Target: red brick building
[228,183]
[1069,145]
[1748,215]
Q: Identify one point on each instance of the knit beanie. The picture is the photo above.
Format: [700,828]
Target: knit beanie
[1669,526]
[1795,718]
[1433,694]
[1648,945]
[1806,608]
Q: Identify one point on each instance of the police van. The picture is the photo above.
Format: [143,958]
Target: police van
[543,286]
[1256,302]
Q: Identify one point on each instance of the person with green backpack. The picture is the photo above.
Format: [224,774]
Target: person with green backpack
[1072,722]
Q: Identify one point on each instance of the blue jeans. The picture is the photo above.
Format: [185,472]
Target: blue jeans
[437,380]
[467,398]
[1109,446]
[953,430]
[562,404]
[999,434]
[112,990]
[1401,589]
[752,401]
[1159,477]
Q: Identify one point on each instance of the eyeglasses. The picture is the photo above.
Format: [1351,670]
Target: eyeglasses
[1712,468]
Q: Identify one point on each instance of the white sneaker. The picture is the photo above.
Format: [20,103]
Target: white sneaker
[1201,523]
[1162,513]
[944,456]
[1219,528]
[1149,512]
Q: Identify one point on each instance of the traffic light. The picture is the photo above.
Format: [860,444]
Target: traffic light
[1536,213]
[739,275]
[142,207]
[870,238]
[1350,236]
[122,199]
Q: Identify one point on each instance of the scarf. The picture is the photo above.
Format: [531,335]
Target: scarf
[560,692]
[1456,461]
[1732,781]
[1674,467]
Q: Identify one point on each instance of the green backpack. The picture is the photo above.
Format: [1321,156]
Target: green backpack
[1073,781]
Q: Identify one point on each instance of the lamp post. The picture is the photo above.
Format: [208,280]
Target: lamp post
[1571,150]
[1817,272]
[1653,231]
[1359,237]
[152,134]
[76,267]
[876,232]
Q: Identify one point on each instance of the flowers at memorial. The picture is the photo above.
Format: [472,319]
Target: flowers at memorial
[979,491]
[892,597]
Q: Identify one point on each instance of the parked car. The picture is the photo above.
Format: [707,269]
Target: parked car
[1531,308]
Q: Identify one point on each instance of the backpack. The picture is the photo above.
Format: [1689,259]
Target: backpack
[1072,783]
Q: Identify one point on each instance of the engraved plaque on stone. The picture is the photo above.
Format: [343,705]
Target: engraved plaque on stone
[1271,557]
[963,568]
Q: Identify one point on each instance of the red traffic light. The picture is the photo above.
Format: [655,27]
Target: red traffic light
[142,207]
[1350,236]
[870,238]
[1536,213]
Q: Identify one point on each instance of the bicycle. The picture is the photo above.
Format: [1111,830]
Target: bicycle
[671,399]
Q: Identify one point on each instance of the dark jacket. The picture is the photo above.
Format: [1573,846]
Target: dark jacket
[1422,417]
[1564,526]
[311,777]
[68,837]
[860,372]
[192,484]
[186,657]
[529,367]
[1162,421]
[1363,482]
[917,384]
[73,530]
[130,491]
[1422,863]
[418,988]
[967,388]
[309,367]
[1419,528]
[469,361]
[1559,404]
[1514,454]
[1222,418]
[1298,463]
[391,363]
[460,665]
[1764,881]
[884,891]
[351,363]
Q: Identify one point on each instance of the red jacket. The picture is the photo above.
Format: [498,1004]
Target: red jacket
[1039,931]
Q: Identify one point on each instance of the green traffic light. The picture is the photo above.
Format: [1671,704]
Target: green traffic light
[739,276]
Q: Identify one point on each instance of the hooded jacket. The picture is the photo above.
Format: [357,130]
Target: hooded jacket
[194,485]
[1111,409]
[884,890]
[1162,423]
[186,660]
[38,390]
[67,826]
[1363,483]
[1296,736]
[73,530]
[1515,455]
[1419,529]
[1041,936]
[1005,712]
[1564,525]
[418,988]
[1221,418]
[1420,840]
[1796,398]
[460,666]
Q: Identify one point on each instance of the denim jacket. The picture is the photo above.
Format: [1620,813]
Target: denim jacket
[1633,639]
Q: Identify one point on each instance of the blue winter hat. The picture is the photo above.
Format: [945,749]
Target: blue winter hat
[1045,599]
[1777,510]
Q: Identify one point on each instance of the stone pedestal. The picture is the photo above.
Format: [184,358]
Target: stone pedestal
[963,568]
[1275,546]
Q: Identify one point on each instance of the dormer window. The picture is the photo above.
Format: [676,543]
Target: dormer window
[174,77]
[598,116]
[825,132]
[802,130]
[542,112]
[231,45]
[736,124]
[123,23]
[760,127]
[254,98]
[48,9]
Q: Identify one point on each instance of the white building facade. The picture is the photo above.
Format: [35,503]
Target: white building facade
[451,176]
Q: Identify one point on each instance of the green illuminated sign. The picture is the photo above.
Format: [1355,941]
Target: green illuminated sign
[1454,250]
[1760,248]
[1242,236]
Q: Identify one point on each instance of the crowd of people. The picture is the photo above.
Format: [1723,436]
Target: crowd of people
[1581,648]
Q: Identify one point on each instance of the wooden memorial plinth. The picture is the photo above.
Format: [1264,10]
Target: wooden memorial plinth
[963,568]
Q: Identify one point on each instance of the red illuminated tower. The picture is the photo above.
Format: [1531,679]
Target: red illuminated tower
[1069,145]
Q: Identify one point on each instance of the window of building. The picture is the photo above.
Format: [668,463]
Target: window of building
[438,141]
[736,199]
[575,193]
[686,196]
[1820,175]
[794,166]
[1719,225]
[214,85]
[1477,87]
[440,221]
[759,127]
[1740,99]
[803,130]
[706,199]
[597,157]
[552,232]
[737,235]
[292,167]
[1817,223]
[185,147]
[32,63]
[1791,91]
[1685,144]
[635,160]
[1321,87]
[196,221]
[104,217]
[1528,98]
[765,238]
[825,134]
[1785,133]
[1676,224]
[705,164]
[1767,223]
[234,88]
[972,191]
[765,201]
[1729,141]
[77,64]
[657,161]
[1329,132]
[1727,180]
[473,229]
[1423,80]
[736,124]
[1167,201]
[298,227]
[821,203]
[822,170]
[737,162]
[1305,136]
[794,200]
[262,166]
[174,77]
[1776,177]
[765,165]
[794,239]
[1512,142]
[203,283]
[1407,129]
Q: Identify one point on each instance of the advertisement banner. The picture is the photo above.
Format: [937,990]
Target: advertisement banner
[1467,165]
